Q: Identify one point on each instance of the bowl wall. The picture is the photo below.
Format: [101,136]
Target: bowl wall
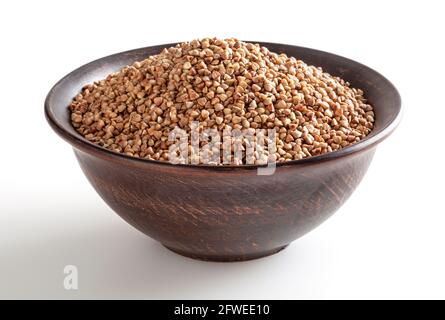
[224,215]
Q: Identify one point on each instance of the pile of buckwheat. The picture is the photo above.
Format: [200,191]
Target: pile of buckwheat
[223,85]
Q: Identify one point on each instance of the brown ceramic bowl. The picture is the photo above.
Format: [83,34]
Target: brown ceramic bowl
[226,213]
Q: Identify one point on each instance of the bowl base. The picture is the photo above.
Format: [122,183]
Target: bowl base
[226,258]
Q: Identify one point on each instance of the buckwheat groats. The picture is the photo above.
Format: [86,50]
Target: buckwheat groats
[225,85]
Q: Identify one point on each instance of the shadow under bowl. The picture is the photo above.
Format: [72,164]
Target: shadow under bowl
[226,213]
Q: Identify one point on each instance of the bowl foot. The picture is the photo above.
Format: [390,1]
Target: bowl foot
[228,257]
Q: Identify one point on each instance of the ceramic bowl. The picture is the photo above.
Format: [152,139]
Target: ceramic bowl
[226,213]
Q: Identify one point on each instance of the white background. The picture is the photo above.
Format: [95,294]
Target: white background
[387,241]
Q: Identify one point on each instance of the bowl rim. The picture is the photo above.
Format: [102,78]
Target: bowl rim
[77,140]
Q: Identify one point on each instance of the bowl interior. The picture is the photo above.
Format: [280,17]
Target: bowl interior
[378,90]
